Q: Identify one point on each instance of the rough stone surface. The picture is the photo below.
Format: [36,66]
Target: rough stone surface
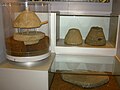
[73,37]
[85,79]
[29,38]
[27,19]
[96,37]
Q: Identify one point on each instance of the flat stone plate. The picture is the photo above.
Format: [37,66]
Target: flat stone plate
[85,79]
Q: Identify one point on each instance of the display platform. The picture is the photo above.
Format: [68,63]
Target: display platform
[83,72]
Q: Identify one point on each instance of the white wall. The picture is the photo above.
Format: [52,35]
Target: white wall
[83,23]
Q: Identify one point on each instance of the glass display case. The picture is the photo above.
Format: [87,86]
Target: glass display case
[98,34]
[26,29]
[81,72]
[82,34]
[86,42]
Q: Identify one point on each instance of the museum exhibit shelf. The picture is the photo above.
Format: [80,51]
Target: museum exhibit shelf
[83,15]
[82,67]
[26,31]
[77,59]
[84,24]
[86,62]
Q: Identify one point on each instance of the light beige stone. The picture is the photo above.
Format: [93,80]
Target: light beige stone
[31,37]
[73,37]
[27,19]
[85,79]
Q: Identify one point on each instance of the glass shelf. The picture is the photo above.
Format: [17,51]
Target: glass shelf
[83,64]
[60,42]
[84,23]
[85,67]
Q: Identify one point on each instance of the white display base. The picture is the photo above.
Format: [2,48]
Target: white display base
[27,59]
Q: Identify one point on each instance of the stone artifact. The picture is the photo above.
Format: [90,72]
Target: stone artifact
[28,19]
[32,37]
[85,79]
[27,38]
[96,37]
[41,47]
[14,46]
[18,48]
[73,37]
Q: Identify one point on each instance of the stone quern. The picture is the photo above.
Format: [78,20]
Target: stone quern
[85,79]
[73,37]
[96,37]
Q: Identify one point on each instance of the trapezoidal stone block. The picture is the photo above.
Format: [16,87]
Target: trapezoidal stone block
[73,37]
[96,37]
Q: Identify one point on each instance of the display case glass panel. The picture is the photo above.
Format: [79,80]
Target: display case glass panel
[84,24]
[81,72]
[26,28]
[94,40]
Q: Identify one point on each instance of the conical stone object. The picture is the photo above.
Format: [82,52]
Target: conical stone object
[27,19]
[96,37]
[73,37]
